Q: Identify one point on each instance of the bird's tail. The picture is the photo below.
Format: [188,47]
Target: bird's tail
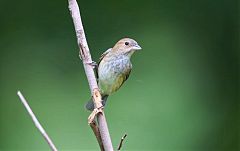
[90,105]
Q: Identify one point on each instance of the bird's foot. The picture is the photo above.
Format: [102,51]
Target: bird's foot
[94,113]
[93,64]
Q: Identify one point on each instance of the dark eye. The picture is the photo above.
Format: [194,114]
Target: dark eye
[126,43]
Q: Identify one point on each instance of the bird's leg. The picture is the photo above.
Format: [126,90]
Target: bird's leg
[94,65]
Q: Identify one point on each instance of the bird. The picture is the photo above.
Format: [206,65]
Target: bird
[114,68]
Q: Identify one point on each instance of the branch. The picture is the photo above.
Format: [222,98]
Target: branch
[97,134]
[86,58]
[121,142]
[36,122]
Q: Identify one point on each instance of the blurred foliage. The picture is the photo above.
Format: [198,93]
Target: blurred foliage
[182,94]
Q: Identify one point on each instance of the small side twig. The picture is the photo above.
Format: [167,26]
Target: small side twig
[36,122]
[97,134]
[121,142]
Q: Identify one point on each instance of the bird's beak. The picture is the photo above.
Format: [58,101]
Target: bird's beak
[137,47]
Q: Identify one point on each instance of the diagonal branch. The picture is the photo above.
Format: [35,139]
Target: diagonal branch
[36,122]
[86,58]
[97,134]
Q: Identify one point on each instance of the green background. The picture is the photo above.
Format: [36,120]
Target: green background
[182,94]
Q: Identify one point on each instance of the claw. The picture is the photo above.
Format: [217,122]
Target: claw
[93,64]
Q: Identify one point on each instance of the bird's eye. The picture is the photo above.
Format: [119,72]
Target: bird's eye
[126,43]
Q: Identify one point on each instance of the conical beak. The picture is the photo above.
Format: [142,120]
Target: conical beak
[137,47]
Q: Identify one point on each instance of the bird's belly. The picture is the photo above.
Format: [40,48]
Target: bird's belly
[108,86]
[111,75]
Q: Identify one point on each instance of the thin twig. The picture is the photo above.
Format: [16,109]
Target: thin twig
[121,142]
[36,122]
[86,58]
[97,134]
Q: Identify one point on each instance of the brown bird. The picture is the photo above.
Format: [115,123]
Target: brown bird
[114,68]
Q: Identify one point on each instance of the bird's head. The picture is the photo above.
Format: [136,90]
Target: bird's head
[126,46]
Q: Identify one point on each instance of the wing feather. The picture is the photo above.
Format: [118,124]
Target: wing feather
[100,59]
[104,54]
[122,79]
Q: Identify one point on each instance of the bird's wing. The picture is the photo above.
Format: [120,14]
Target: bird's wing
[121,79]
[104,54]
[125,77]
[100,59]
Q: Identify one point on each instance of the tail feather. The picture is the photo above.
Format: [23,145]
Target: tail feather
[90,105]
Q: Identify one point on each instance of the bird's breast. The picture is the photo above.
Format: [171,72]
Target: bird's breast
[111,72]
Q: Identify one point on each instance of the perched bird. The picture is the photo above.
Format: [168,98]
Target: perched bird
[114,68]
